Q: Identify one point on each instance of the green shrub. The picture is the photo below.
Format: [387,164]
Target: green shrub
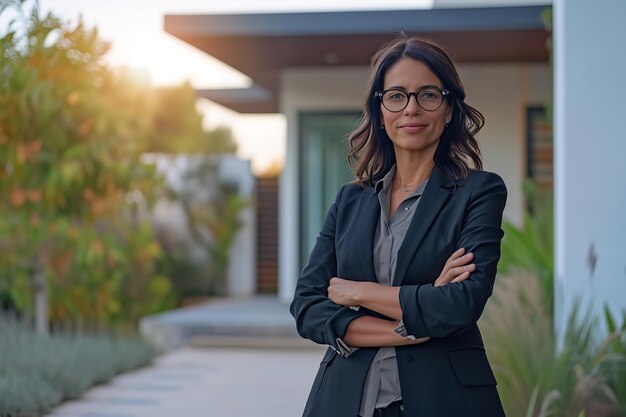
[38,372]
[534,377]
[587,376]
[531,247]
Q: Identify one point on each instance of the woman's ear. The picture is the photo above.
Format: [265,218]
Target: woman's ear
[448,115]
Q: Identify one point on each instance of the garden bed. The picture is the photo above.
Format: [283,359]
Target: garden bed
[39,372]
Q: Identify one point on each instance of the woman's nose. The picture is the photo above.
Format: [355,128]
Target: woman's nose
[412,107]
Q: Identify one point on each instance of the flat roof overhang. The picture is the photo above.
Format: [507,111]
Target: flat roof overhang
[262,45]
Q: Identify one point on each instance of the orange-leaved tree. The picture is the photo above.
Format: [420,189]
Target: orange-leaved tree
[71,136]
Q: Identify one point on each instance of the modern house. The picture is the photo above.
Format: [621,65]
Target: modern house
[312,67]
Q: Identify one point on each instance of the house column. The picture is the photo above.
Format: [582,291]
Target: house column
[590,157]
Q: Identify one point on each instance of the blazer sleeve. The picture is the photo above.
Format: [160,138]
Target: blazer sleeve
[453,308]
[317,317]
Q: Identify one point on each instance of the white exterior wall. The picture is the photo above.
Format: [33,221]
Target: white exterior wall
[500,91]
[241,279]
[590,156]
[242,273]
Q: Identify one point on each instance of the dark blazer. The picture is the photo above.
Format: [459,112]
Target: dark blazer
[447,376]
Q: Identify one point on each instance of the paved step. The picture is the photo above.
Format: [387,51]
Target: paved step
[260,321]
[247,342]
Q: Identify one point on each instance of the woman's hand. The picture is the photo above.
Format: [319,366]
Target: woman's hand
[456,269]
[344,292]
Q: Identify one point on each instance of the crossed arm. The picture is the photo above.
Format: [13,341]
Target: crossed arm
[368,331]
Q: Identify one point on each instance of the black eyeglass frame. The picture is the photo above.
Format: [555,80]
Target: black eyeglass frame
[444,92]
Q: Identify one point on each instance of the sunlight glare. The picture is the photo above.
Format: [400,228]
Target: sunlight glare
[171,61]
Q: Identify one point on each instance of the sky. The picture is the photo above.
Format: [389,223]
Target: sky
[135,30]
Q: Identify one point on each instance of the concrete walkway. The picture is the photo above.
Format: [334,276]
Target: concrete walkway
[206,383]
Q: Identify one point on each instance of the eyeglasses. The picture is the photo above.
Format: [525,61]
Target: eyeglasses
[429,99]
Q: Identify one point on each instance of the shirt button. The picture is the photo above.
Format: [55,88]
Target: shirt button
[406,208]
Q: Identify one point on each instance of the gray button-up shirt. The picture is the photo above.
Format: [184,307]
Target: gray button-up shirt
[382,384]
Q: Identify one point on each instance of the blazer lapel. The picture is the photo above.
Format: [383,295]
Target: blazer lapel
[435,195]
[370,216]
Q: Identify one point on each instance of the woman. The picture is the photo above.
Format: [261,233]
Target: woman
[407,256]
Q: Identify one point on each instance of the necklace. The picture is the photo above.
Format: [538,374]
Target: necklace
[407,187]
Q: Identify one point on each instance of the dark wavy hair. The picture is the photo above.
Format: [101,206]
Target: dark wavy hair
[371,153]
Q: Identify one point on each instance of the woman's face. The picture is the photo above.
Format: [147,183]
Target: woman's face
[414,129]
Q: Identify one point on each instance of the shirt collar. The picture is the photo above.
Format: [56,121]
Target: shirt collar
[385,182]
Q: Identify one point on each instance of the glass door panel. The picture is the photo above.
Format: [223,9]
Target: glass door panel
[324,169]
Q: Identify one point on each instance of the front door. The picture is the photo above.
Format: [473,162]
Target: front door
[324,169]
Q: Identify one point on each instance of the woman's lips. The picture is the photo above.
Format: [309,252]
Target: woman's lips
[413,127]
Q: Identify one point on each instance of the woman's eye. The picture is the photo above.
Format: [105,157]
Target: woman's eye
[396,96]
[429,94]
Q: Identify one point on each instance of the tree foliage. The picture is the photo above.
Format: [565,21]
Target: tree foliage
[178,125]
[72,132]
